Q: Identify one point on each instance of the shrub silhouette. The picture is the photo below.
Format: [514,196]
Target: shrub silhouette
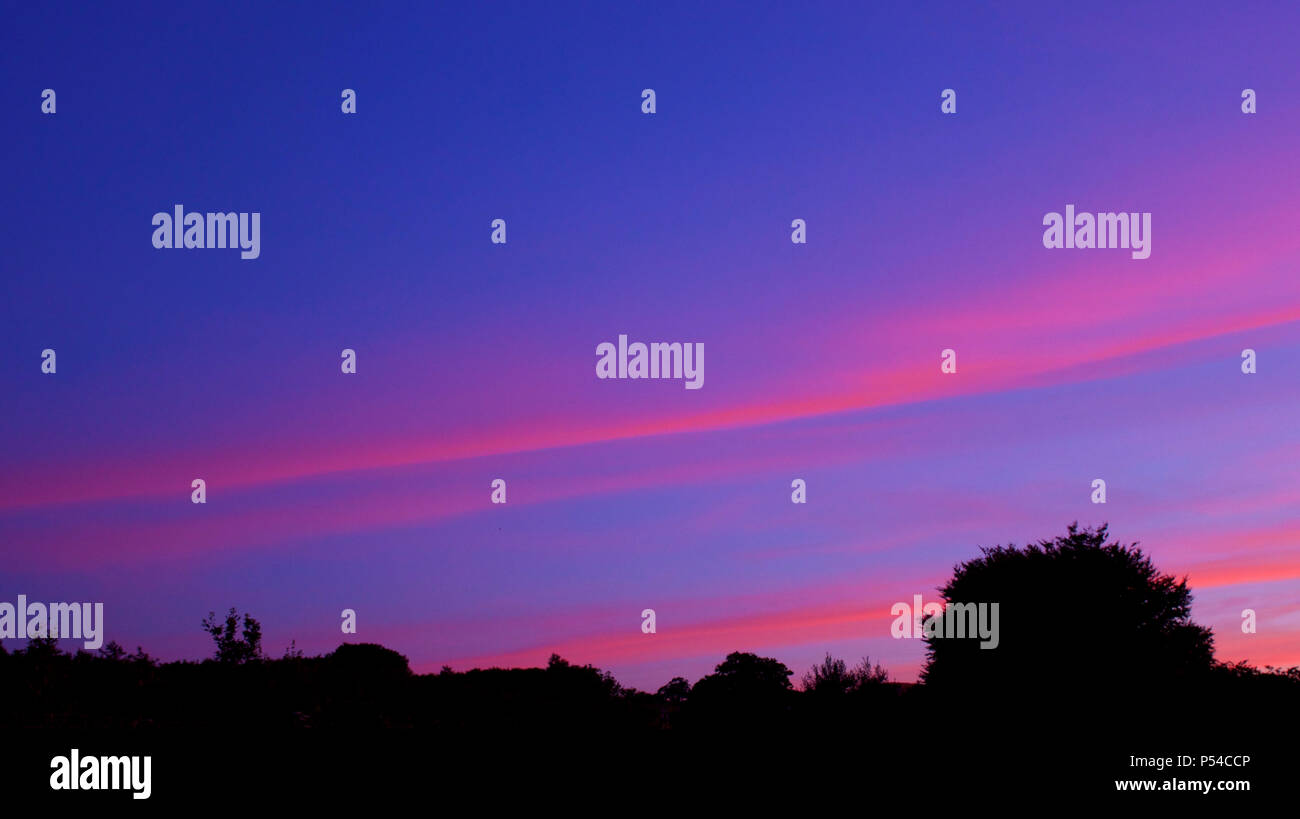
[833,677]
[229,647]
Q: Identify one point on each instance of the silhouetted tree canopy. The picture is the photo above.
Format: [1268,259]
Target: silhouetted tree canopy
[676,690]
[741,686]
[1076,613]
[230,647]
[833,677]
[370,660]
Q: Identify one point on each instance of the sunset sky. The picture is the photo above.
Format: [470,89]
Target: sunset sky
[477,361]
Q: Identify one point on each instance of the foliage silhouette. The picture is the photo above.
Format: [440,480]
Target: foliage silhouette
[832,677]
[1076,613]
[1081,617]
[675,691]
[231,648]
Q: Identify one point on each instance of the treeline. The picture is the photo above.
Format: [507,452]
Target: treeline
[363,685]
[1091,634]
[367,686]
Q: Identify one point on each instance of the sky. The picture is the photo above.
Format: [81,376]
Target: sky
[475,361]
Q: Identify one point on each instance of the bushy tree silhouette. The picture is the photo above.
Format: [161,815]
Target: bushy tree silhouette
[44,647]
[1076,614]
[748,675]
[833,677]
[112,651]
[369,660]
[675,691]
[231,648]
[742,686]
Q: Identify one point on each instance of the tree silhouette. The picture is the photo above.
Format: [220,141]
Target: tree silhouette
[741,687]
[749,674]
[45,646]
[1076,613]
[675,691]
[230,648]
[833,677]
[830,678]
[112,650]
[369,660]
